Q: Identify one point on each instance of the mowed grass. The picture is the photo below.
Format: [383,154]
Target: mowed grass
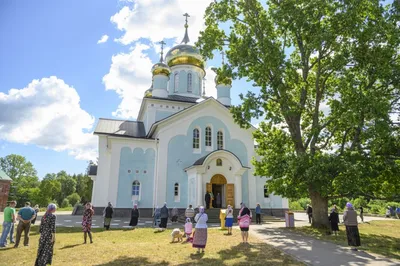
[380,237]
[145,247]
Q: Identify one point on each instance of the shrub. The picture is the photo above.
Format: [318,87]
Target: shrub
[303,202]
[74,198]
[65,203]
[295,206]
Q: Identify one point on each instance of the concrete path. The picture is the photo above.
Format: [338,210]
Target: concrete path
[316,252]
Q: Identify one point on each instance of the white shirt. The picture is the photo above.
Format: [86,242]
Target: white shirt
[201,220]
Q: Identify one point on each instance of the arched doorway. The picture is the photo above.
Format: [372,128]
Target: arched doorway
[222,191]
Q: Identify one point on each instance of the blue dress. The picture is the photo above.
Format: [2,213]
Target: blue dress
[228,222]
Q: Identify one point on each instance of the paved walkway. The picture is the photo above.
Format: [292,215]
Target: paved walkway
[316,252]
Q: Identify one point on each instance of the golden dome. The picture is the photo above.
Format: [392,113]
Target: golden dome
[160,69]
[184,54]
[148,92]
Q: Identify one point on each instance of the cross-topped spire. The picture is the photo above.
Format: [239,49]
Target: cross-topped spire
[223,57]
[162,51]
[186,37]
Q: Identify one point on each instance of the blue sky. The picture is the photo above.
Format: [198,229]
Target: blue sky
[63,80]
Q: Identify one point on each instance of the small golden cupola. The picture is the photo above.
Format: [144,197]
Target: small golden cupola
[161,73]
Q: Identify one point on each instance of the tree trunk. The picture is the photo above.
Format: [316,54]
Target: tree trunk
[319,210]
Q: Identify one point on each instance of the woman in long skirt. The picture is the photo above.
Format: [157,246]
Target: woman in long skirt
[134,216]
[334,220]
[350,221]
[200,234]
[87,222]
[47,237]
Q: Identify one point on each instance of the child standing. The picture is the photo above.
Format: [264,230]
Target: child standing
[188,229]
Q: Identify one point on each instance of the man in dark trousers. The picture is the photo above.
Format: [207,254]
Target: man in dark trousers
[207,198]
[309,213]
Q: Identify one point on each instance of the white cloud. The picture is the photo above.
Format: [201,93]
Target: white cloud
[210,83]
[130,77]
[47,113]
[159,19]
[103,39]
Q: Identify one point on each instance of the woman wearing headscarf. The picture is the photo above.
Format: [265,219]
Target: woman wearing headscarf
[87,222]
[174,214]
[229,219]
[47,237]
[244,220]
[156,220]
[108,212]
[334,220]
[350,221]
[200,234]
[134,216]
[164,214]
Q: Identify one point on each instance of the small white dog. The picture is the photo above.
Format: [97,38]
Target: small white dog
[176,234]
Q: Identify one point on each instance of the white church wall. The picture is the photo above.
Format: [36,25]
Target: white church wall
[100,192]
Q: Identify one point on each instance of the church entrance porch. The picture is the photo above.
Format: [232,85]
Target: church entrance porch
[222,192]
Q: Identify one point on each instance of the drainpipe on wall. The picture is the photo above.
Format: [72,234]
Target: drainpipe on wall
[155,177]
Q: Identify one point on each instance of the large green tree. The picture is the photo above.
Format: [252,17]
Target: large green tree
[328,73]
[24,176]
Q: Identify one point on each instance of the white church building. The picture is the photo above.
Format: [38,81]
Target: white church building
[182,145]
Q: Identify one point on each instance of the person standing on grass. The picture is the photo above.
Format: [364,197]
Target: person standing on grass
[189,213]
[174,215]
[164,214]
[309,213]
[398,212]
[229,219]
[258,214]
[200,234]
[362,213]
[36,208]
[25,216]
[87,222]
[350,221]
[47,237]
[244,220]
[156,220]
[8,223]
[134,217]
[108,213]
[334,220]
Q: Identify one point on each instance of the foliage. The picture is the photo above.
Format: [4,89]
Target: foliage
[26,186]
[65,203]
[328,73]
[295,206]
[154,249]
[74,198]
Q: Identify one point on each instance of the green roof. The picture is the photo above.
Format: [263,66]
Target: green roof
[3,176]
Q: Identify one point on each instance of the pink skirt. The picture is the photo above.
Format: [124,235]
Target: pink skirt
[200,238]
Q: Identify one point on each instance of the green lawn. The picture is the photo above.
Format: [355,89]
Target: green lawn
[145,247]
[381,237]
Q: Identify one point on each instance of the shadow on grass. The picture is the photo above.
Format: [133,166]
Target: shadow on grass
[244,254]
[380,244]
[71,246]
[132,261]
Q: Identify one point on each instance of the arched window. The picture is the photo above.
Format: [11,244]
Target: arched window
[266,194]
[135,188]
[219,162]
[176,189]
[176,82]
[196,139]
[220,140]
[189,82]
[208,136]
